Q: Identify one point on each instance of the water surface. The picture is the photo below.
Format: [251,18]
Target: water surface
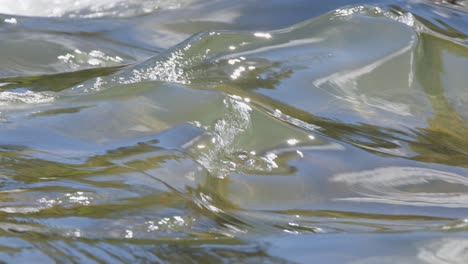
[233,132]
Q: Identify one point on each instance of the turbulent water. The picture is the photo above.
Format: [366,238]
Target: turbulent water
[192,131]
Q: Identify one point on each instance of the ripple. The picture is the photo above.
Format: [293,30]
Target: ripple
[447,250]
[407,186]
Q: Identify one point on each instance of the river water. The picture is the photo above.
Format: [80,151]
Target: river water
[188,131]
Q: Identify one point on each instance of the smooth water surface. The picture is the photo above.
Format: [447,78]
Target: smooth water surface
[188,131]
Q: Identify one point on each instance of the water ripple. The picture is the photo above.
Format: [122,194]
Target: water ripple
[407,186]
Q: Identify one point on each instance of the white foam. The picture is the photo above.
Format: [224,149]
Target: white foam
[86,8]
[11,20]
[28,97]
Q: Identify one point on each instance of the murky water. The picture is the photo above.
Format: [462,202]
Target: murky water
[189,131]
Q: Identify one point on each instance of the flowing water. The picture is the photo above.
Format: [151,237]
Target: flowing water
[220,131]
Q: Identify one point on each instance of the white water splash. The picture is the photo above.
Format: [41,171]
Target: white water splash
[11,20]
[94,58]
[169,70]
[404,18]
[27,97]
[87,8]
[224,134]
